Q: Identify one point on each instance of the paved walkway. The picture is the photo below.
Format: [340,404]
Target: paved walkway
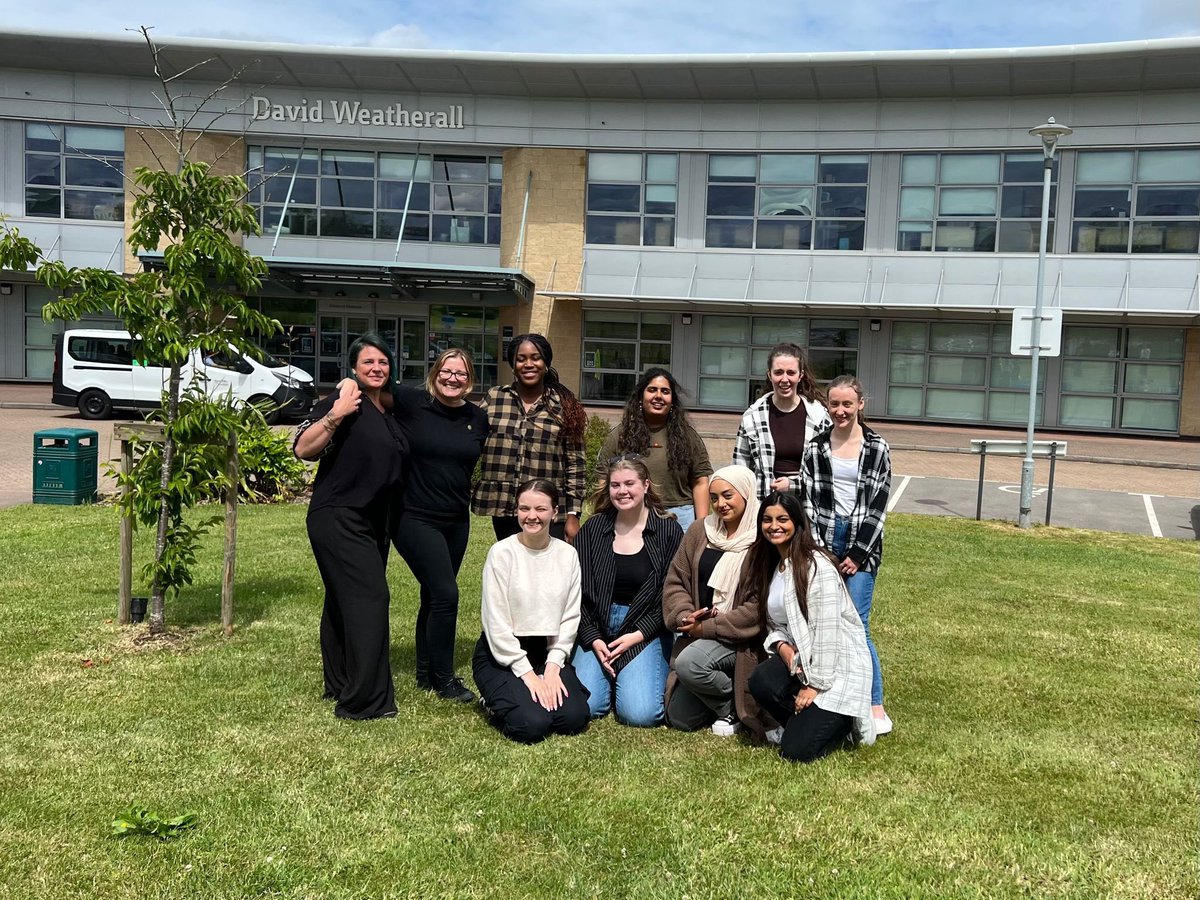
[939,454]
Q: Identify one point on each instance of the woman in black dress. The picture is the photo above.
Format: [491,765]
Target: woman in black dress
[361,449]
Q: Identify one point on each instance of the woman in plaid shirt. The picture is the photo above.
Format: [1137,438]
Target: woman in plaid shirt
[847,480]
[536,431]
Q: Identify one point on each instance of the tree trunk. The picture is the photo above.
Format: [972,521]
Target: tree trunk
[157,596]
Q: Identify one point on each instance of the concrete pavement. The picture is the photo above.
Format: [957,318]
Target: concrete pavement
[942,472]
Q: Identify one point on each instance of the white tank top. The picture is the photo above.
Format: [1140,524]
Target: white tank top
[845,485]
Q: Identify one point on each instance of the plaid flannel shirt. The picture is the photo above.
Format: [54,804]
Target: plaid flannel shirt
[865,542]
[754,447]
[523,445]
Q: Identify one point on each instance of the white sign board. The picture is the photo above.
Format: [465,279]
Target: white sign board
[1049,336]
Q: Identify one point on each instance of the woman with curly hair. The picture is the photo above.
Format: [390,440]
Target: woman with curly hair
[536,432]
[655,426]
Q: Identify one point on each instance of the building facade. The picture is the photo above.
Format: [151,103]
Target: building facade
[882,210]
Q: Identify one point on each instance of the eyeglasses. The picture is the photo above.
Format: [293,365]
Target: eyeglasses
[624,457]
[452,376]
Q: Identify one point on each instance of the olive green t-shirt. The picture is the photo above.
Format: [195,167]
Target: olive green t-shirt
[674,488]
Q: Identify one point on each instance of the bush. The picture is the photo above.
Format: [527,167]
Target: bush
[269,471]
[594,436]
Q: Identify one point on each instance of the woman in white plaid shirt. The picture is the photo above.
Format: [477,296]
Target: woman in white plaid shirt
[778,426]
[817,681]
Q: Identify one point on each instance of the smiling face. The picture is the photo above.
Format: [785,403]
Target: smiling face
[626,489]
[372,368]
[778,527]
[528,365]
[727,503]
[844,406]
[784,374]
[535,512]
[656,399]
[452,381]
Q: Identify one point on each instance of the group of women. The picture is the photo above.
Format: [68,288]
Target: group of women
[725,600]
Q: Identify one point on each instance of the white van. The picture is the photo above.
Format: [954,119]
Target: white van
[98,371]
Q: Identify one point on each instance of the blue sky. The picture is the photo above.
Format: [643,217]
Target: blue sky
[626,26]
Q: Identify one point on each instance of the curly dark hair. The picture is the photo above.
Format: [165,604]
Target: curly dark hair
[633,435]
[574,416]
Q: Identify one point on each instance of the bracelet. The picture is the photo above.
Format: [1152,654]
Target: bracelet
[330,423]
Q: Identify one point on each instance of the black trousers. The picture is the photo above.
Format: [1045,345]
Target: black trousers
[351,548]
[807,735]
[507,526]
[513,710]
[434,552]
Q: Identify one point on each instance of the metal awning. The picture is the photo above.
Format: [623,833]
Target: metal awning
[371,279]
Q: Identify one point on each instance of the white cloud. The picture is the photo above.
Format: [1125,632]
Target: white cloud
[407,37]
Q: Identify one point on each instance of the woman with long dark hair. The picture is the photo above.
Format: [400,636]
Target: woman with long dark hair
[624,549]
[361,449]
[817,681]
[537,427]
[530,615]
[446,433]
[847,481]
[778,426]
[655,426]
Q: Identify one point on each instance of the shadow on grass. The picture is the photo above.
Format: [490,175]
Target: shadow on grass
[256,597]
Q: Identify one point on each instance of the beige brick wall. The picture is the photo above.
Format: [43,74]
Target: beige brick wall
[552,255]
[1189,405]
[148,148]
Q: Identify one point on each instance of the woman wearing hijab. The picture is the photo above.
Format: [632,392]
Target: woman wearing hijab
[721,634]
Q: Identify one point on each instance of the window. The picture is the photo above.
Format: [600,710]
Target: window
[1137,201]
[958,371]
[631,198]
[475,329]
[787,201]
[618,346]
[973,202]
[734,350]
[441,198]
[1129,378]
[75,172]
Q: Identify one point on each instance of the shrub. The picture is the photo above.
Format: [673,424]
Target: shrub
[269,471]
[594,436]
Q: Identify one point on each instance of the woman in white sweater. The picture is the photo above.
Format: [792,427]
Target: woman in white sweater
[817,681]
[530,613]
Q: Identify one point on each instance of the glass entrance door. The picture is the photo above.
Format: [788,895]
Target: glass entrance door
[337,333]
[414,354]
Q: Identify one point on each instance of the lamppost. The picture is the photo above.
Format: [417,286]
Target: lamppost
[1049,134]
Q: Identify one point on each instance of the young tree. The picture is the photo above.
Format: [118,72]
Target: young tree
[195,301]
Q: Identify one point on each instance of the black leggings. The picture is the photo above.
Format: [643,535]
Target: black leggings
[434,552]
[807,735]
[351,547]
[513,709]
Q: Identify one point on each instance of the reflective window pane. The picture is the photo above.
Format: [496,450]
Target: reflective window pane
[905,401]
[941,403]
[908,336]
[729,200]
[614,198]
[658,231]
[732,168]
[788,168]
[1150,415]
[784,235]
[614,230]
[1155,343]
[771,331]
[919,168]
[1143,378]
[1089,375]
[970,168]
[729,233]
[1098,167]
[1168,165]
[725,329]
[1100,237]
[614,167]
[1086,412]
[1085,340]
[663,167]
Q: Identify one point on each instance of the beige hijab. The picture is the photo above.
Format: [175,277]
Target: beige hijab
[727,572]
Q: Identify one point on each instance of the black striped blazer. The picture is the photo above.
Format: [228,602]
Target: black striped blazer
[598,565]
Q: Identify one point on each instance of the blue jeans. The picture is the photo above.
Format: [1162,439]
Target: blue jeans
[637,692]
[861,586]
[685,515]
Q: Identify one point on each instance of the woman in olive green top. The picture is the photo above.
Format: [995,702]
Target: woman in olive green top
[655,426]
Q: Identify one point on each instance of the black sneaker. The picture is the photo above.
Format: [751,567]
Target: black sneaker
[454,689]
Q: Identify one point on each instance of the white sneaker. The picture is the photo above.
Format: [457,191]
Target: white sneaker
[775,736]
[726,726]
[883,724]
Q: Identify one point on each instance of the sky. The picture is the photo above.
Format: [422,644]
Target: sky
[626,26]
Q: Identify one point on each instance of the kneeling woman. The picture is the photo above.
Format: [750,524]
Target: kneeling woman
[817,681]
[530,615]
[624,550]
[721,640]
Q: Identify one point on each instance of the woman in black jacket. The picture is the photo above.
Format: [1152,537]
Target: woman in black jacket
[625,548]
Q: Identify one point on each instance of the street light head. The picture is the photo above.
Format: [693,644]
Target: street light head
[1050,133]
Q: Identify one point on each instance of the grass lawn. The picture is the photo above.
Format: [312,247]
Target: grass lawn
[1044,687]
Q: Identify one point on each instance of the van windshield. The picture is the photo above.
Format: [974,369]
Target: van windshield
[263,358]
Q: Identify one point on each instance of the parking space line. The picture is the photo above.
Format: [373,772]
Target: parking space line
[896,494]
[1154,529]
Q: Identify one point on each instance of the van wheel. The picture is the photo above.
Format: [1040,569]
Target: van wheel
[266,406]
[95,404]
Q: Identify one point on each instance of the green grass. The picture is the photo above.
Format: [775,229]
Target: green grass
[1044,687]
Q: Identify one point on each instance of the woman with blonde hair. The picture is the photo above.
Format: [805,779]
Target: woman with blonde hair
[624,549]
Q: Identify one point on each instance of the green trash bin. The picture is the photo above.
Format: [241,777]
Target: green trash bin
[64,466]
